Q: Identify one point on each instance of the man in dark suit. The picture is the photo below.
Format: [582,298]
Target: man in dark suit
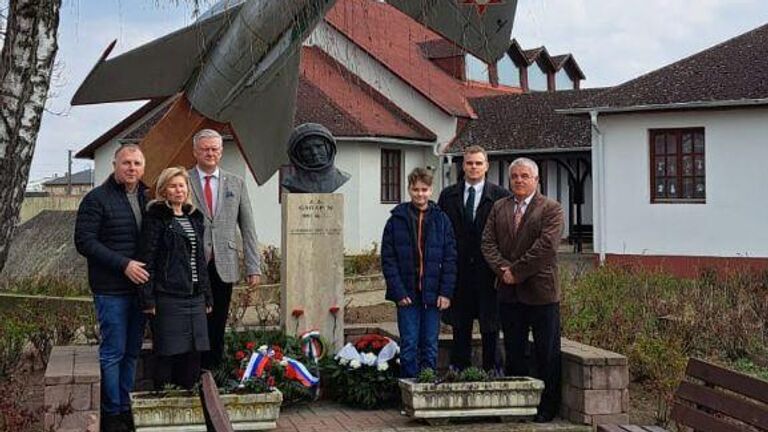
[223,199]
[520,245]
[467,205]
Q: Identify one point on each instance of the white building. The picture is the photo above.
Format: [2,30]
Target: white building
[679,161]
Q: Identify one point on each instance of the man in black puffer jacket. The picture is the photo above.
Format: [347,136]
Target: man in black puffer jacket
[107,235]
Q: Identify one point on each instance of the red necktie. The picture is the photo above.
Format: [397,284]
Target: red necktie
[208,194]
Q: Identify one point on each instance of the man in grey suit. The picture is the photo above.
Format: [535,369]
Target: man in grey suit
[223,199]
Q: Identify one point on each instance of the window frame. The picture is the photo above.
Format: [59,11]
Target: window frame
[680,176]
[395,186]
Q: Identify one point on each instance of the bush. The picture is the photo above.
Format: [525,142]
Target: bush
[47,286]
[270,265]
[366,263]
[658,321]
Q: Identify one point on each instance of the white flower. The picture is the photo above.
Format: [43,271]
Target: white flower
[262,349]
[354,364]
[283,362]
[369,359]
[383,366]
[343,361]
[398,361]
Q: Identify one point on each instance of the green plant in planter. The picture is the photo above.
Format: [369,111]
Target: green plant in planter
[427,375]
[473,374]
[470,374]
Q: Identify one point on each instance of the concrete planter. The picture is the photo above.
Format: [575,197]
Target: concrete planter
[506,398]
[177,412]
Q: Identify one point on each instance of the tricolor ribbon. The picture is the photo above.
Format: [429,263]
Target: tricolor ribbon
[256,365]
[295,370]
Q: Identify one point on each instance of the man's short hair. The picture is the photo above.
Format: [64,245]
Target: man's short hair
[524,161]
[420,175]
[127,147]
[474,149]
[206,133]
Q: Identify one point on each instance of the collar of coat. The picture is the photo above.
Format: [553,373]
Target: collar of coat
[163,210]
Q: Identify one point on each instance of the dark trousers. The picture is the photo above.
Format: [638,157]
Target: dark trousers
[217,319]
[461,348]
[182,370]
[544,320]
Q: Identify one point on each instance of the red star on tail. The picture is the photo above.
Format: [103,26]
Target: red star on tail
[481,5]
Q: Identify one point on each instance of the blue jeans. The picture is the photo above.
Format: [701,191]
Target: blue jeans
[121,324]
[419,327]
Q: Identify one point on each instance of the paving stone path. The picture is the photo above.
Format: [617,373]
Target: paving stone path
[331,417]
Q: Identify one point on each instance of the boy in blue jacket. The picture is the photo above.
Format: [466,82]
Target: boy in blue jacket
[418,258]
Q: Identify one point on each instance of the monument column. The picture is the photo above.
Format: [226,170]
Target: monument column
[312,270]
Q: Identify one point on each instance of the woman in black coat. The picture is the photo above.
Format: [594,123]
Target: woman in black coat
[178,294]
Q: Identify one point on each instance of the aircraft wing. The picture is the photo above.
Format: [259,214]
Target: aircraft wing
[482,27]
[157,69]
[262,119]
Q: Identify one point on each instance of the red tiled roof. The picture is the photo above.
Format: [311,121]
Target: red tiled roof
[395,40]
[366,112]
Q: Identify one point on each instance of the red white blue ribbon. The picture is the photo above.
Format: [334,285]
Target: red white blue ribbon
[295,370]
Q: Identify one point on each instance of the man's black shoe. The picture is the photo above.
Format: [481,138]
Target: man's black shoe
[114,423]
[128,420]
[543,418]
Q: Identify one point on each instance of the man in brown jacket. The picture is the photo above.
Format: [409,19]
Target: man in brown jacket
[520,245]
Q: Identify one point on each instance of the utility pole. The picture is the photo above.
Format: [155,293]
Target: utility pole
[69,172]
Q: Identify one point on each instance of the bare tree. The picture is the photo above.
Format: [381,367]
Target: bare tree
[26,62]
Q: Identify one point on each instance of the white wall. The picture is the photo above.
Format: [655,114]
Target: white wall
[730,224]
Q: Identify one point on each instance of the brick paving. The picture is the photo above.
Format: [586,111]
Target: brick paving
[331,417]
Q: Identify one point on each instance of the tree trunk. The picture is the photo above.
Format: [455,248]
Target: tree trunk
[26,63]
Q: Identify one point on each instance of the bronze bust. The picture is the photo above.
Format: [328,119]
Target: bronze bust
[312,151]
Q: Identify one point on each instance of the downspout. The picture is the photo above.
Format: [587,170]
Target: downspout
[439,155]
[598,175]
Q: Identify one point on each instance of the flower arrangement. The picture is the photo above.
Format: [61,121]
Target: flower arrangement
[364,374]
[260,361]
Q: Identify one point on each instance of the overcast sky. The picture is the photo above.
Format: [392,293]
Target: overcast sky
[612,40]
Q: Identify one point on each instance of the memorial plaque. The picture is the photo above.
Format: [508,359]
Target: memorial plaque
[312,288]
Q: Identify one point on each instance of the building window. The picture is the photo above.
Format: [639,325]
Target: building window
[538,80]
[391,173]
[563,81]
[509,74]
[678,167]
[477,70]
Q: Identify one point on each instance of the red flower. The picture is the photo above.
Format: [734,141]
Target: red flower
[334,310]
[250,345]
[271,381]
[278,352]
[297,313]
[239,355]
[240,373]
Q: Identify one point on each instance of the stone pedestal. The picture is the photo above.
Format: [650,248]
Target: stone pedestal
[312,272]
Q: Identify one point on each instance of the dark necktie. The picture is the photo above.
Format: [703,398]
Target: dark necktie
[469,206]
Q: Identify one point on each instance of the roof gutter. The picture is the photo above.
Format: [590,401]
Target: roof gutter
[385,140]
[529,151]
[672,106]
[598,178]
